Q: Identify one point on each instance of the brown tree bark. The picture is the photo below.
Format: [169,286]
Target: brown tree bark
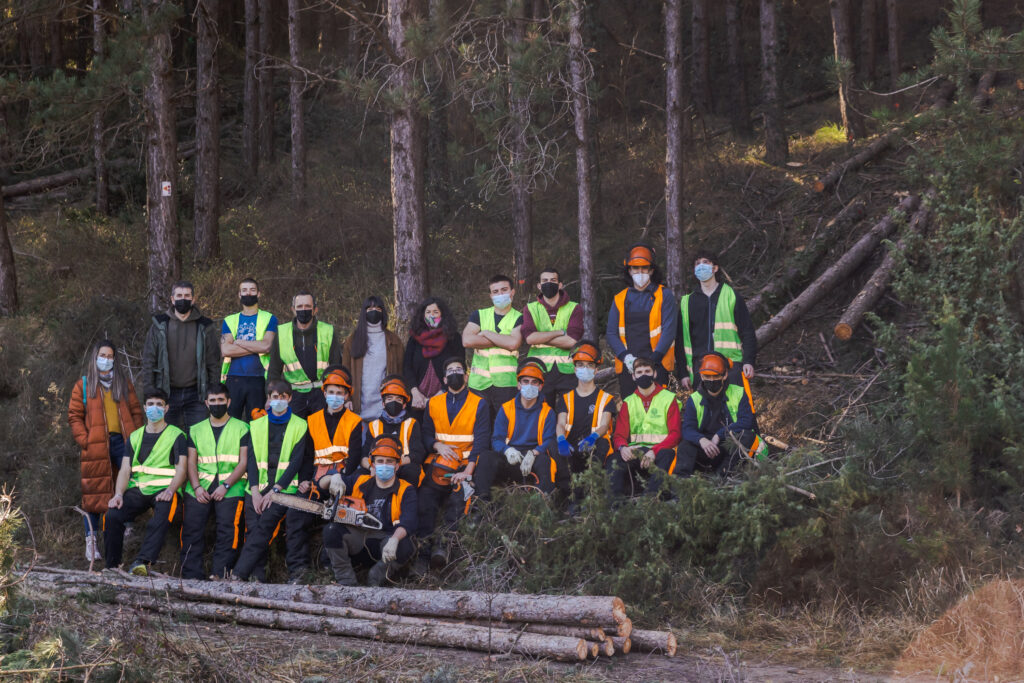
[776,143]
[836,173]
[438,174]
[700,37]
[868,41]
[674,140]
[842,43]
[161,167]
[8,276]
[519,111]
[207,190]
[407,172]
[663,642]
[99,151]
[892,17]
[265,74]
[55,28]
[296,84]
[579,72]
[250,87]
[739,107]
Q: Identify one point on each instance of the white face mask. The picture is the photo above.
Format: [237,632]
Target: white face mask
[641,279]
[104,364]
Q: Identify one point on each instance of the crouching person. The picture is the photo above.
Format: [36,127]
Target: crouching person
[389,499]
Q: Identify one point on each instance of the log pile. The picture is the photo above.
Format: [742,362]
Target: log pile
[563,628]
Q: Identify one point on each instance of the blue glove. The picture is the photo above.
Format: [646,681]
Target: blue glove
[564,449]
[588,443]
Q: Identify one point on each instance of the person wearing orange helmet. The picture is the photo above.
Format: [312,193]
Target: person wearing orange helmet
[718,423]
[642,320]
[396,422]
[336,433]
[523,438]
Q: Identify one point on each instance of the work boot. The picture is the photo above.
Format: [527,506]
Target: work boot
[139,569]
[439,557]
[341,563]
[378,574]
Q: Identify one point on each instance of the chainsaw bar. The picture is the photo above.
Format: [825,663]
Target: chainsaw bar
[335,511]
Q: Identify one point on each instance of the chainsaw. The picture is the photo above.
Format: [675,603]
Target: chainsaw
[341,509]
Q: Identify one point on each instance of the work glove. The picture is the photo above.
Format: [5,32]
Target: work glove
[588,443]
[564,447]
[527,464]
[628,362]
[336,485]
[513,456]
[390,551]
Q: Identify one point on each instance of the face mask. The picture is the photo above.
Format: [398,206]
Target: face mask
[104,364]
[641,279]
[304,316]
[374,317]
[384,472]
[278,406]
[394,408]
[249,299]
[334,401]
[703,271]
[218,410]
[154,413]
[713,386]
[455,381]
[183,306]
[432,320]
[549,290]
[529,391]
[501,300]
[585,374]
[644,381]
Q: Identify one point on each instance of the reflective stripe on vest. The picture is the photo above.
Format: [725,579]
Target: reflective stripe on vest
[329,449]
[262,323]
[733,397]
[259,433]
[551,355]
[218,458]
[510,413]
[376,428]
[652,428]
[459,433]
[494,366]
[669,359]
[292,371]
[725,335]
[603,399]
[396,497]
[157,473]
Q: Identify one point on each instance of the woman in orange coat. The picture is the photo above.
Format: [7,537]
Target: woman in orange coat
[103,413]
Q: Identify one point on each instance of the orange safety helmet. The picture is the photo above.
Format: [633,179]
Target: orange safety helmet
[442,467]
[338,377]
[395,386]
[640,255]
[386,447]
[714,366]
[531,368]
[588,353]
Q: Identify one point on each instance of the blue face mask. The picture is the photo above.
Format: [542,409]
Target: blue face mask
[154,413]
[703,271]
[278,406]
[384,472]
[335,401]
[529,391]
[585,374]
[501,300]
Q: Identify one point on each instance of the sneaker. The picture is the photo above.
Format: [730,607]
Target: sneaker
[139,569]
[92,551]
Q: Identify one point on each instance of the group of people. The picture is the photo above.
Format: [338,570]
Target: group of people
[233,414]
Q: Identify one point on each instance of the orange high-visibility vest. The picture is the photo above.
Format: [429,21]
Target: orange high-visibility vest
[376,428]
[669,360]
[603,399]
[330,449]
[396,498]
[459,432]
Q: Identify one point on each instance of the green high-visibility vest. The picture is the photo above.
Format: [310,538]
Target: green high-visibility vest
[218,457]
[157,472]
[262,323]
[725,336]
[292,371]
[733,396]
[649,427]
[552,356]
[259,433]
[494,366]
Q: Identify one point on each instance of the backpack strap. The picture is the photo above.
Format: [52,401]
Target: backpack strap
[85,394]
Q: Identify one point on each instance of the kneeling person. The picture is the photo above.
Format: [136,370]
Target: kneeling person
[389,499]
[396,422]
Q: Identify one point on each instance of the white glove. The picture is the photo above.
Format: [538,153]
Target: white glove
[337,485]
[513,456]
[628,362]
[527,464]
[390,551]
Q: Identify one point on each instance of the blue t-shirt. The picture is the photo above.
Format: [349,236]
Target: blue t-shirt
[250,365]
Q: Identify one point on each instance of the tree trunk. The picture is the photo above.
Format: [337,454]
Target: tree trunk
[739,108]
[519,111]
[893,23]
[868,41]
[700,37]
[250,96]
[266,82]
[295,87]
[407,176]
[842,42]
[579,73]
[674,135]
[438,174]
[830,179]
[654,641]
[55,27]
[161,174]
[776,143]
[207,189]
[99,152]
[8,276]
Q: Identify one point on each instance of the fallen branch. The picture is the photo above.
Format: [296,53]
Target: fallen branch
[832,178]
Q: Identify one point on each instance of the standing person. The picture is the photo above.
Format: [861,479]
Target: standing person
[433,338]
[552,325]
[181,357]
[714,318]
[152,471]
[395,422]
[371,353]
[335,432]
[218,451]
[494,335]
[646,434]
[301,351]
[642,320]
[102,411]
[246,339]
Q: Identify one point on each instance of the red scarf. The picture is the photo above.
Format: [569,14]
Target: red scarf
[433,341]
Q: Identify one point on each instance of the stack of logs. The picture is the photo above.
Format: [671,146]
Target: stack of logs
[564,628]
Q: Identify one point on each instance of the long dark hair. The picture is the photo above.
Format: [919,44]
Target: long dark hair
[359,337]
[118,383]
[419,325]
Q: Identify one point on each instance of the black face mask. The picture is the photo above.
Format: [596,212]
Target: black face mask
[218,410]
[644,381]
[304,316]
[549,290]
[456,381]
[249,299]
[713,386]
[183,306]
[374,317]
[393,408]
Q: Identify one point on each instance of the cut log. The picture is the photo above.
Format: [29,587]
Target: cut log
[877,284]
[605,648]
[836,273]
[623,645]
[832,178]
[983,93]
[562,630]
[662,642]
[812,254]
